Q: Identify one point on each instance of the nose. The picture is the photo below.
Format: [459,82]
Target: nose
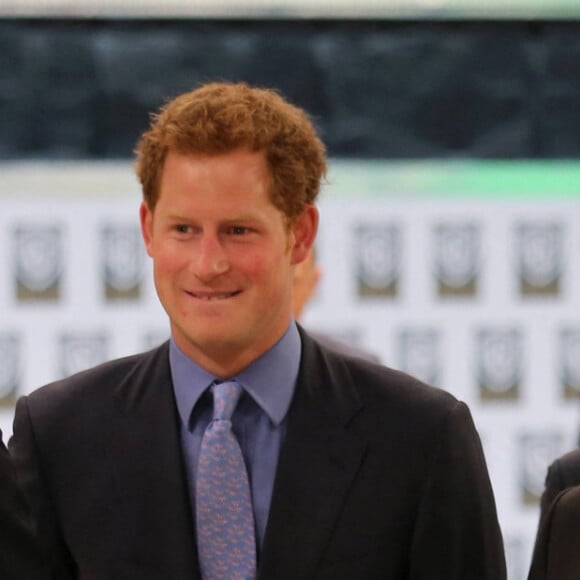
[210,260]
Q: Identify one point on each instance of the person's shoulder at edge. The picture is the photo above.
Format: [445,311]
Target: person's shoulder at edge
[562,473]
[556,555]
[569,467]
[20,556]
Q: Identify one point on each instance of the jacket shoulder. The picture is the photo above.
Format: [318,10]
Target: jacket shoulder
[377,382]
[381,390]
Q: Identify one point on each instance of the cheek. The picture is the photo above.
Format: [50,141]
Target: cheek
[254,267]
[264,266]
[168,261]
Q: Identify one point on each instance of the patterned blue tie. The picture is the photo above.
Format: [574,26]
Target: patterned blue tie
[224,517]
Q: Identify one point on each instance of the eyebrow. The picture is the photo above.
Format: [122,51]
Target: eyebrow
[246,218]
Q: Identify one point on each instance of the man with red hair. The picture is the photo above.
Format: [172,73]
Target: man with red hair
[242,448]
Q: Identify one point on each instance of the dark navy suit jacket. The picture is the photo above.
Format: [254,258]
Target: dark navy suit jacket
[379,477]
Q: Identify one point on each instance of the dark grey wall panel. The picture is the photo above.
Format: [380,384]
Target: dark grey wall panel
[85,88]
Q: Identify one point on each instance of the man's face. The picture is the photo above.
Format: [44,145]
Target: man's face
[223,257]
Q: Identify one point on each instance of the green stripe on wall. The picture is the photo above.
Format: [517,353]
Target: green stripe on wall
[486,179]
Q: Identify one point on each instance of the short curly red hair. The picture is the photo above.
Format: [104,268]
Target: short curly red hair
[222,117]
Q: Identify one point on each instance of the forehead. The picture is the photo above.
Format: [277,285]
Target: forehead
[241,169]
[239,179]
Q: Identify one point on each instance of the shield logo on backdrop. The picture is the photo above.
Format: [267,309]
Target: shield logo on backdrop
[419,354]
[539,251]
[122,262]
[457,249]
[570,362]
[536,453]
[378,255]
[499,363]
[9,369]
[38,262]
[82,351]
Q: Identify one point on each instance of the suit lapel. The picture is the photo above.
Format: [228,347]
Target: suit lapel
[317,465]
[152,441]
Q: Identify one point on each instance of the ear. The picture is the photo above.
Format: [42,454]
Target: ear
[146,216]
[304,233]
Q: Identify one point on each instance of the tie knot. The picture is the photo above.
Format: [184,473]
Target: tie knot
[225,399]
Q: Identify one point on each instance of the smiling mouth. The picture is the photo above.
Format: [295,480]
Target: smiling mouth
[213,297]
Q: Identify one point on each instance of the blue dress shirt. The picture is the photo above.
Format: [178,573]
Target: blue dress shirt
[259,420]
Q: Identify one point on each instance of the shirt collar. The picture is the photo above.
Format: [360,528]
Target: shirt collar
[270,380]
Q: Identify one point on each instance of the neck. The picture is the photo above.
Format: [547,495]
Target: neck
[224,361]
